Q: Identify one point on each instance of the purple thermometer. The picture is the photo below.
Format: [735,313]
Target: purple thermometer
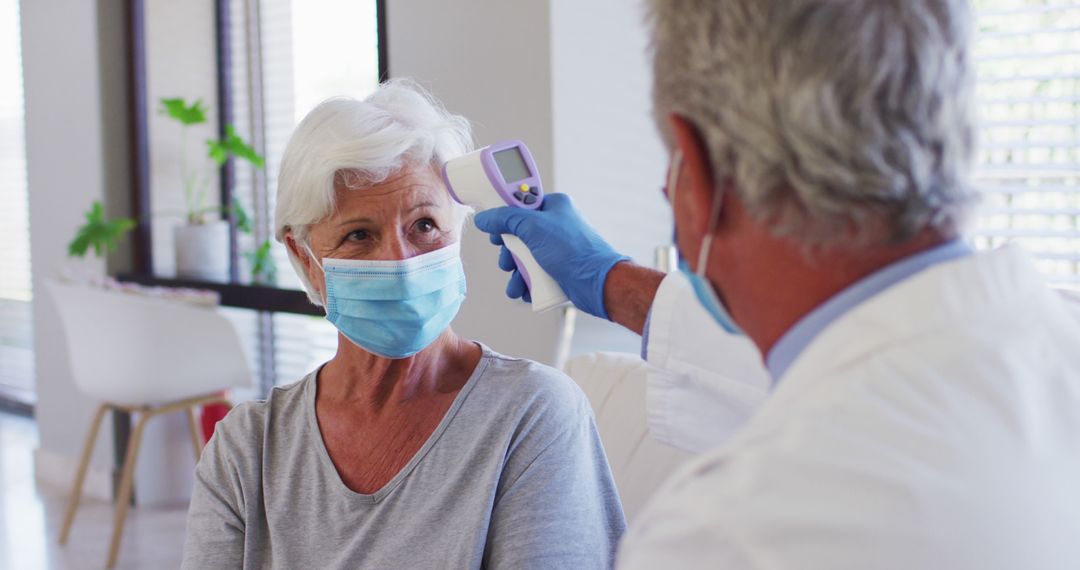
[504,174]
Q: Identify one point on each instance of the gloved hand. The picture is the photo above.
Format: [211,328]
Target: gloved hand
[564,245]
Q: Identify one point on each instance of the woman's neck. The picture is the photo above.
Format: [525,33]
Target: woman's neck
[356,375]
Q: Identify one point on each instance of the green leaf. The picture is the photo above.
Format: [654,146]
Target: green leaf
[79,245]
[115,230]
[238,147]
[178,109]
[243,220]
[96,215]
[263,269]
[98,233]
[217,150]
[233,145]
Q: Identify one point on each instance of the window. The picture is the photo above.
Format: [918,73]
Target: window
[287,56]
[16,350]
[1028,57]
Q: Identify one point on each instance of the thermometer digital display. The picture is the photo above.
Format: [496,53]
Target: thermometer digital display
[511,165]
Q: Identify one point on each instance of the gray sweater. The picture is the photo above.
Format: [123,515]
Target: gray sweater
[513,477]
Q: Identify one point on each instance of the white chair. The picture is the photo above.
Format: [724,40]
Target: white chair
[615,386]
[147,356]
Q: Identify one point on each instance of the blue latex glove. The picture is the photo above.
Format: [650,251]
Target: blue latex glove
[564,245]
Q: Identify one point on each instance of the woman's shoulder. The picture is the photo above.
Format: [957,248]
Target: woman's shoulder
[520,383]
[248,422]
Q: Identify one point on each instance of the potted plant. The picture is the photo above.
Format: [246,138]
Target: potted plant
[202,241]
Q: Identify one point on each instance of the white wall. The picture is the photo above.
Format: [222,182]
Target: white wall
[65,174]
[608,154]
[607,151]
[490,61]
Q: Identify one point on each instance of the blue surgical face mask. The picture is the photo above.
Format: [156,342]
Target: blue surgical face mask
[704,290]
[397,308]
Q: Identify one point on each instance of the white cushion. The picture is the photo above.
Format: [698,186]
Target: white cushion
[615,386]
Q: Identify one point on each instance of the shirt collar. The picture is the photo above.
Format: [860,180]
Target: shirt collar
[798,337]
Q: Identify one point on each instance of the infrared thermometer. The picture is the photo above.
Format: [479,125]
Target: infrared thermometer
[504,174]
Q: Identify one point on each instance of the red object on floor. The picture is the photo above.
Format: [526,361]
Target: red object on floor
[211,415]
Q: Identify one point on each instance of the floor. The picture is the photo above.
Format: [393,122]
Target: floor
[31,514]
[16,353]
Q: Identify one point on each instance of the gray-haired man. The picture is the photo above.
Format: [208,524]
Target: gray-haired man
[919,408]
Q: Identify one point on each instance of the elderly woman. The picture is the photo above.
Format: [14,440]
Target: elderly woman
[413,447]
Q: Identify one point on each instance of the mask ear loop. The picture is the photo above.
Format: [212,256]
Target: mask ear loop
[318,263]
[714,211]
[314,258]
[671,191]
[714,219]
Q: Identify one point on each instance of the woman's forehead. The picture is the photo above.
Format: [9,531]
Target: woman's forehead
[404,190]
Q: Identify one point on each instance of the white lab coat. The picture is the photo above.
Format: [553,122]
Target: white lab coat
[936,425]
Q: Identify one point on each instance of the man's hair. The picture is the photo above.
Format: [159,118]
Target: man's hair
[839,121]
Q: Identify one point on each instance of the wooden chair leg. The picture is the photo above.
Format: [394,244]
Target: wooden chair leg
[123,499]
[80,475]
[196,432]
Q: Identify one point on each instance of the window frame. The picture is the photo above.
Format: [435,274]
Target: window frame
[234,293]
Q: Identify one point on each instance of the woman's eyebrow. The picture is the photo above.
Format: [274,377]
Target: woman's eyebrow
[422,205]
[366,220]
[351,221]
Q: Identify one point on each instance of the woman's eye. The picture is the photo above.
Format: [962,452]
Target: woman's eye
[425,225]
[359,235]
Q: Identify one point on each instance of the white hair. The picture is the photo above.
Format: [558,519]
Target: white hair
[360,144]
[839,121]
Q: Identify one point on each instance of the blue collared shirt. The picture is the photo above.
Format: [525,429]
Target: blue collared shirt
[798,337]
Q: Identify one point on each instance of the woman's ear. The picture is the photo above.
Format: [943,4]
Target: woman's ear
[299,252]
[314,278]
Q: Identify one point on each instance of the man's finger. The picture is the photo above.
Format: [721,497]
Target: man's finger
[505,220]
[506,260]
[516,287]
[556,201]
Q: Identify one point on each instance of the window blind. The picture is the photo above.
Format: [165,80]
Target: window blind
[1028,59]
[16,320]
[311,50]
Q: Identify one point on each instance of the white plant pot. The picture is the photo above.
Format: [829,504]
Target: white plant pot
[202,251]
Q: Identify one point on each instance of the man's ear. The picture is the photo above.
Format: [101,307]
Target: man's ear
[696,183]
